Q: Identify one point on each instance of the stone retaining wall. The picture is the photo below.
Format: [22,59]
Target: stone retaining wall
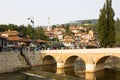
[13,61]
[33,58]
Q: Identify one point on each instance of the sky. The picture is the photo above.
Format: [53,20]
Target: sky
[59,11]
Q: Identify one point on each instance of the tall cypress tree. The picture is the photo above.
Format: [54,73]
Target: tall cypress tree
[106,29]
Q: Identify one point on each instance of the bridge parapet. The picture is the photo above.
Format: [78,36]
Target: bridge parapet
[85,51]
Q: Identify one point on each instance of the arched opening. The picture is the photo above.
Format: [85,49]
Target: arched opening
[48,60]
[108,67]
[74,66]
[49,64]
[108,62]
[70,61]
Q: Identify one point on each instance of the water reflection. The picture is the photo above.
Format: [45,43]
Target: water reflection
[101,75]
[108,75]
[12,76]
[70,72]
[50,72]
[90,76]
[19,76]
[52,69]
[49,68]
[63,74]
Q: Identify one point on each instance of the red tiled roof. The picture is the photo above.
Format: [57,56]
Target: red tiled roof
[68,40]
[68,37]
[39,40]
[13,39]
[10,32]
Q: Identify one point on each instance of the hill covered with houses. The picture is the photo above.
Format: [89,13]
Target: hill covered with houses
[56,37]
[73,36]
[67,35]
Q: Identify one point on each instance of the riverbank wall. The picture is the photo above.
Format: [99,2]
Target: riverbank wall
[13,61]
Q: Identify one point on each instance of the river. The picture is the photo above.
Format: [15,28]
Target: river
[49,72]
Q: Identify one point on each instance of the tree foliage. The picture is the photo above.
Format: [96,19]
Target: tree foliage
[40,33]
[117,29]
[106,28]
[67,30]
[30,32]
[22,31]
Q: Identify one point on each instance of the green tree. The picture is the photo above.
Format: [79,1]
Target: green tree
[117,29]
[40,33]
[53,26]
[12,27]
[3,27]
[67,30]
[106,28]
[30,31]
[22,31]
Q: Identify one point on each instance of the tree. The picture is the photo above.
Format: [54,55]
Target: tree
[106,29]
[67,30]
[117,28]
[30,31]
[12,27]
[40,33]
[3,27]
[22,31]
[53,26]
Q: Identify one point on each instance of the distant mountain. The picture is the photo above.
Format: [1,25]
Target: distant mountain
[87,21]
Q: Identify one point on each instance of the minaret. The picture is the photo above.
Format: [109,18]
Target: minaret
[48,29]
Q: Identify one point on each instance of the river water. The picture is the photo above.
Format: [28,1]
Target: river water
[49,72]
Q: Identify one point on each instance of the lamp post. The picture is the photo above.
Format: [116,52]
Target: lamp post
[31,18]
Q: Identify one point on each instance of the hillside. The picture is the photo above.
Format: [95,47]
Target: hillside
[87,21]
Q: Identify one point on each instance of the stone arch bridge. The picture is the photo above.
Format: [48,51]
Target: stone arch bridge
[93,58]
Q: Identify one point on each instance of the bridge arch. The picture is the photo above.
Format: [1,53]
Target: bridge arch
[48,59]
[100,63]
[71,60]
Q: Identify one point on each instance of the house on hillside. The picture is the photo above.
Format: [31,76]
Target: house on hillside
[82,36]
[57,32]
[68,41]
[11,40]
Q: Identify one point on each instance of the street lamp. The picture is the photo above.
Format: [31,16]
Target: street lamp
[31,18]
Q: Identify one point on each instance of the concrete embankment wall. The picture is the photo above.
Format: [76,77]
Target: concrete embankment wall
[13,61]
